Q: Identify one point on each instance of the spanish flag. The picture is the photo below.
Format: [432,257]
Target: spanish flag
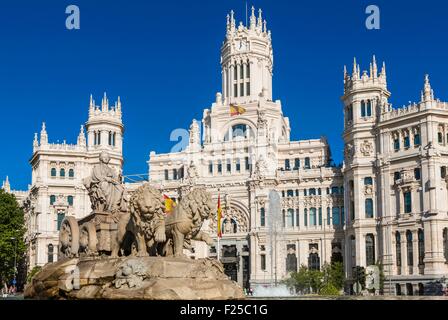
[236,110]
[169,204]
[219,218]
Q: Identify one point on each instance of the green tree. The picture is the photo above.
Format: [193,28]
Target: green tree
[12,247]
[333,278]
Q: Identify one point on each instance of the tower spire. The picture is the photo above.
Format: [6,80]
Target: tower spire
[374,68]
[260,19]
[43,135]
[81,137]
[253,19]
[105,103]
[35,142]
[6,186]
[428,92]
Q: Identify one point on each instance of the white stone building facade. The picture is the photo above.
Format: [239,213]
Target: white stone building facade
[387,203]
[395,181]
[58,169]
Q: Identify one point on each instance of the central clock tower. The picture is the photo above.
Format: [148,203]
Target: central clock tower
[246,61]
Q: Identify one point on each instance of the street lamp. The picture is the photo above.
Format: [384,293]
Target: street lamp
[15,259]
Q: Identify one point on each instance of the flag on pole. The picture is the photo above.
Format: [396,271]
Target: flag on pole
[169,204]
[236,110]
[219,217]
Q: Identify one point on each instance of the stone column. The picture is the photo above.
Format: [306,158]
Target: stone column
[415,249]
[239,248]
[404,254]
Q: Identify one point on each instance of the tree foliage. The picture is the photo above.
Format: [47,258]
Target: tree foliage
[328,281]
[12,230]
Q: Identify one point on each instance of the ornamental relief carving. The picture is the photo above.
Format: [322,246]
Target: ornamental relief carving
[366,148]
[230,217]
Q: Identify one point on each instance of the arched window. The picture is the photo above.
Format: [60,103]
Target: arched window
[445,244]
[312,192]
[62,172]
[398,248]
[410,249]
[262,217]
[290,218]
[70,201]
[240,131]
[370,249]
[398,289]
[421,247]
[52,199]
[363,109]
[71,173]
[290,193]
[110,138]
[312,216]
[407,202]
[369,108]
[50,253]
[174,174]
[53,172]
[99,137]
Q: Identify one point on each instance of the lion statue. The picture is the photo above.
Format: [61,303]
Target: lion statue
[155,233]
[185,223]
[146,223]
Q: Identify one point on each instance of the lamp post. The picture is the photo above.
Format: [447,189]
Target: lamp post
[15,259]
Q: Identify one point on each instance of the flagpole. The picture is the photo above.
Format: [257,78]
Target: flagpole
[219,250]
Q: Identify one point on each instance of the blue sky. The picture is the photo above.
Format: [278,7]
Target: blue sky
[162,58]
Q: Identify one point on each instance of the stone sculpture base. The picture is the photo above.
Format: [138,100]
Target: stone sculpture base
[133,278]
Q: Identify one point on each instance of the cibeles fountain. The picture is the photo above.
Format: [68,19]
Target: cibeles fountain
[132,249]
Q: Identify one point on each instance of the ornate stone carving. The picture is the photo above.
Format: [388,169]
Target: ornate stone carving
[366,148]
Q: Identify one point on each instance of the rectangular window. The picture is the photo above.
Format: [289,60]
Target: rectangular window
[417,174]
[334,190]
[342,216]
[296,164]
[287,165]
[174,174]
[238,165]
[416,139]
[61,217]
[305,218]
[210,168]
[229,166]
[368,181]
[297,218]
[167,175]
[397,175]
[219,167]
[443,172]
[352,211]
[235,73]
[407,202]
[307,163]
[407,142]
[304,192]
[247,88]
[262,217]
[263,262]
[440,137]
[290,193]
[363,109]
[70,201]
[248,70]
[235,90]
[396,144]
[246,161]
[242,72]
[369,208]
[312,192]
[241,89]
[336,217]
